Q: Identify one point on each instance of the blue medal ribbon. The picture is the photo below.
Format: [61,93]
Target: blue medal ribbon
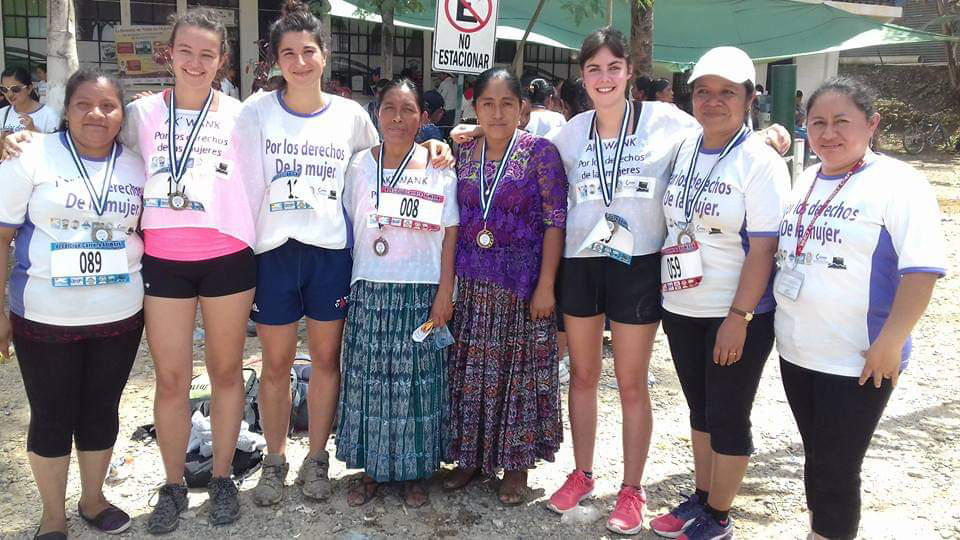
[179,168]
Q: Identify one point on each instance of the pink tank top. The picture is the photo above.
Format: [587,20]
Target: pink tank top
[189,243]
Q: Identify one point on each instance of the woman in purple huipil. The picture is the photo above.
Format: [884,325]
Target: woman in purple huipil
[504,390]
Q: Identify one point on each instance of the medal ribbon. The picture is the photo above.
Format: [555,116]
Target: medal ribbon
[688,203]
[179,168]
[98,200]
[802,241]
[398,172]
[609,189]
[487,193]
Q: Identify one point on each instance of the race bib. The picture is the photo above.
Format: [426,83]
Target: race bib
[410,209]
[84,264]
[681,267]
[611,237]
[287,192]
[788,283]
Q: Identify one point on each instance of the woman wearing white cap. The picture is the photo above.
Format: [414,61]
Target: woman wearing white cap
[723,206]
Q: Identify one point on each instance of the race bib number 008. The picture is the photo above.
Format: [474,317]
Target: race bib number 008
[85,264]
[410,209]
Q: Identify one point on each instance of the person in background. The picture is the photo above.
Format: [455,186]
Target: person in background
[573,98]
[641,85]
[76,315]
[24,111]
[394,393]
[40,76]
[227,83]
[448,89]
[717,308]
[800,114]
[875,274]
[374,89]
[543,120]
[468,114]
[373,107]
[504,387]
[433,112]
[661,90]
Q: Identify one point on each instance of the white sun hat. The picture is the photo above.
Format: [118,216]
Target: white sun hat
[730,63]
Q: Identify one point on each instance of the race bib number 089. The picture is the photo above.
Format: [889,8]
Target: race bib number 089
[84,264]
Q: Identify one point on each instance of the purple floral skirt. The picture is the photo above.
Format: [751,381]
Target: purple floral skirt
[502,373]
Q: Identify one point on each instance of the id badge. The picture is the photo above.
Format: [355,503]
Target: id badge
[788,283]
[410,209]
[611,237]
[85,264]
[681,267]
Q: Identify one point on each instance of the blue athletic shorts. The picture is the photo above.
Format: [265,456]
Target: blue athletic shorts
[296,280]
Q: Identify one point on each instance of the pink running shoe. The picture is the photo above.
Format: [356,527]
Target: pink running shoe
[627,515]
[672,524]
[577,488]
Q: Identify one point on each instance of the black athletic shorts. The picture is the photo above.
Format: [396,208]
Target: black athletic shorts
[219,276]
[625,293]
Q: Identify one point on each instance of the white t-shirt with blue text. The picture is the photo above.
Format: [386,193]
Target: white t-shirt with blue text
[304,161]
[46,200]
[884,223]
[744,197]
[45,119]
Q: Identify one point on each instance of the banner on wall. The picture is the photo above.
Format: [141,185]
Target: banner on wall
[141,54]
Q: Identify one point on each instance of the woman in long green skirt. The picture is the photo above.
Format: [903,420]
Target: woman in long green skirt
[393,389]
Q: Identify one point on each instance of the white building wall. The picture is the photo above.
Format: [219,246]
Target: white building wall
[812,70]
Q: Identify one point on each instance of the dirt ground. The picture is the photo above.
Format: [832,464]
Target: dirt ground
[911,478]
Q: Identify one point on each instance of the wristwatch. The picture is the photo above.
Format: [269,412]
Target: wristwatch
[747,315]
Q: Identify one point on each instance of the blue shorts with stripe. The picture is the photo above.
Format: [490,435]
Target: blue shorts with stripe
[296,280]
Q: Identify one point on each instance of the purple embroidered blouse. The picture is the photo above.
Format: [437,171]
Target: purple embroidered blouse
[531,197]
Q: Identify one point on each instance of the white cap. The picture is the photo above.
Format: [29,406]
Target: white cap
[730,63]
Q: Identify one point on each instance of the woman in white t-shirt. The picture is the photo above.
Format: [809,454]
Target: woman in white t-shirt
[24,110]
[860,251]
[305,139]
[404,215]
[541,95]
[723,206]
[72,201]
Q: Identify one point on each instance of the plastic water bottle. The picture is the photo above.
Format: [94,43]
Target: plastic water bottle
[582,514]
[119,470]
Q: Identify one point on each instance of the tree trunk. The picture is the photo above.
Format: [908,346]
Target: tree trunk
[609,12]
[952,68]
[386,37]
[518,57]
[61,50]
[641,36]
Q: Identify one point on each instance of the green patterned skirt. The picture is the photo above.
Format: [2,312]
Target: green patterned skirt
[393,390]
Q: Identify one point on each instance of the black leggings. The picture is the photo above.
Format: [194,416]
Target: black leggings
[720,397]
[836,417]
[74,390]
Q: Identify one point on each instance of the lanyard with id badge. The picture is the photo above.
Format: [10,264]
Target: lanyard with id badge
[380,246]
[101,260]
[485,238]
[611,236]
[681,265]
[789,280]
[176,196]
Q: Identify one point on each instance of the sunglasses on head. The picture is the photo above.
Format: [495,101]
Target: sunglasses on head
[15,89]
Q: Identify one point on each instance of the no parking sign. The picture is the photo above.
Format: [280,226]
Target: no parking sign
[465,36]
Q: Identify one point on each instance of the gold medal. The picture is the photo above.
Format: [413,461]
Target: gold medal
[380,247]
[485,238]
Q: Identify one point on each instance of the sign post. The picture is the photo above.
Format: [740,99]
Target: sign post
[465,36]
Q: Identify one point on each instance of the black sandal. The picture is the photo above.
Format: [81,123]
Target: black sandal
[52,535]
[110,521]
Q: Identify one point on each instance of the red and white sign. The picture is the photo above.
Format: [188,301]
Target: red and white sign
[465,36]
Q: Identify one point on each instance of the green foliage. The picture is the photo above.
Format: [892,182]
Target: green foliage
[583,9]
[367,7]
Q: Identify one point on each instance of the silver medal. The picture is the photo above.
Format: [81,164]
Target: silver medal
[100,233]
[380,247]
